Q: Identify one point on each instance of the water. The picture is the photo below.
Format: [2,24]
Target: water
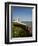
[28,23]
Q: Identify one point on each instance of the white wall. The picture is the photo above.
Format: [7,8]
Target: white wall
[2,22]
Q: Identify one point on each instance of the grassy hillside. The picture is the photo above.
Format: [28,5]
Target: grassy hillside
[19,30]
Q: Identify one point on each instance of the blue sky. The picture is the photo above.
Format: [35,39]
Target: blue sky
[24,13]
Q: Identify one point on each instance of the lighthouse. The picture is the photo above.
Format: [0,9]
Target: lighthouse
[18,20]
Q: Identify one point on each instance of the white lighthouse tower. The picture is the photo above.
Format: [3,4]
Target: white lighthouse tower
[18,20]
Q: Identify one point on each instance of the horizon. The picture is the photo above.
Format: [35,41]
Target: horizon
[25,14]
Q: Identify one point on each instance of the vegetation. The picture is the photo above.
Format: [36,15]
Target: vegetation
[19,30]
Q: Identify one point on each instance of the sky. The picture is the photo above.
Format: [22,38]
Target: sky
[24,13]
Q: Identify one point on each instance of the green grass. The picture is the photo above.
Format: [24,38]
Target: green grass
[19,30]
